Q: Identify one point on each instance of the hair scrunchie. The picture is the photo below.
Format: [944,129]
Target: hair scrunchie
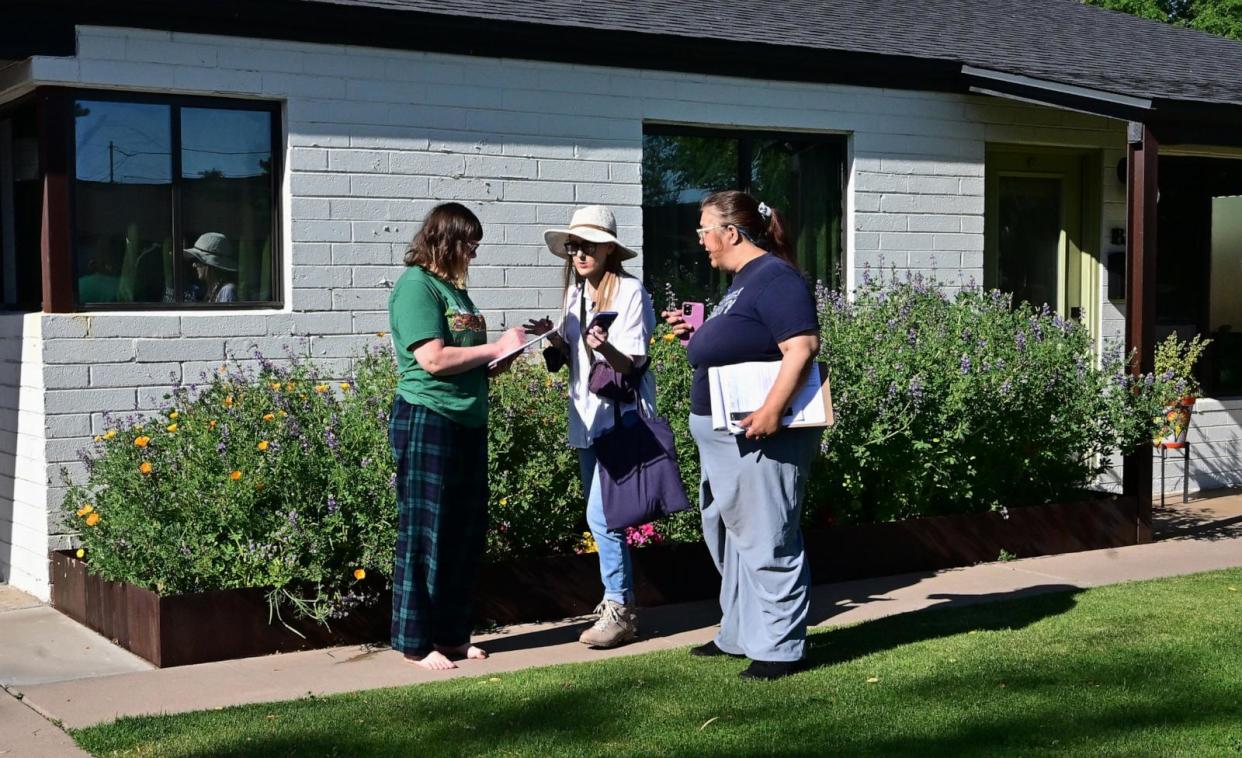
[765,212]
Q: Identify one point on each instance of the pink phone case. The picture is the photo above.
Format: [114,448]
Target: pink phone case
[691,314]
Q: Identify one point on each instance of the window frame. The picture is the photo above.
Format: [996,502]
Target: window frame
[746,138]
[175,102]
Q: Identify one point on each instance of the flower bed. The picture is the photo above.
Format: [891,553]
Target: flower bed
[279,478]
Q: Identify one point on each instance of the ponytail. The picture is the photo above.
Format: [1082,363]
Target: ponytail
[760,223]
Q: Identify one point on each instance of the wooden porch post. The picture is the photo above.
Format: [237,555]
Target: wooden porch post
[55,116]
[1141,194]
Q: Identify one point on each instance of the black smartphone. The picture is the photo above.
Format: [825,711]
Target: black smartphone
[603,320]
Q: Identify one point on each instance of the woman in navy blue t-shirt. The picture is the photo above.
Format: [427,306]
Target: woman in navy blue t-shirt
[753,484]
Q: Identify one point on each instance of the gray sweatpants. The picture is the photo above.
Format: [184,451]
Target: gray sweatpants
[751,502]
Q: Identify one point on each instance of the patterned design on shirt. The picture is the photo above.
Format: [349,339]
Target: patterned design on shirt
[724,305]
[462,321]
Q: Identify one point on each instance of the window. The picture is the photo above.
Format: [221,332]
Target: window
[21,209]
[1199,260]
[174,203]
[800,175]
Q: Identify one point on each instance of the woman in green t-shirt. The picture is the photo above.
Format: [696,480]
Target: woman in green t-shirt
[438,431]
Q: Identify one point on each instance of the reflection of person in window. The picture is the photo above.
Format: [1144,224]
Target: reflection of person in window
[99,284]
[216,266]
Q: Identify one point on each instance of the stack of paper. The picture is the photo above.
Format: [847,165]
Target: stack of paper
[740,389]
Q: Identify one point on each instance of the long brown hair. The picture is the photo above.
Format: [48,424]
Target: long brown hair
[740,210]
[442,244]
[608,284]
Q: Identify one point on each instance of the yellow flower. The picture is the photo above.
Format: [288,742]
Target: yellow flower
[344,386]
[283,414]
[504,501]
[80,553]
[588,544]
[223,368]
[276,386]
[109,434]
[321,388]
[98,438]
[290,386]
[670,337]
[360,574]
[235,475]
[173,415]
[228,402]
[85,509]
[145,468]
[212,424]
[548,383]
[142,441]
[92,519]
[651,341]
[172,428]
[269,416]
[262,446]
[381,334]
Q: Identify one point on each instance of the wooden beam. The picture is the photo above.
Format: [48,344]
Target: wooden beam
[55,116]
[1141,197]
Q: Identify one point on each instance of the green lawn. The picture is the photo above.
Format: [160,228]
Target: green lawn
[1151,668]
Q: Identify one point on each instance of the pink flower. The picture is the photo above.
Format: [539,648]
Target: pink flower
[639,536]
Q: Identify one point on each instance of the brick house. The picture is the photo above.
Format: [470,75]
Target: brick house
[1013,144]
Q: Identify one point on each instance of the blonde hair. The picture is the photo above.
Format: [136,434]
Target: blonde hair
[608,284]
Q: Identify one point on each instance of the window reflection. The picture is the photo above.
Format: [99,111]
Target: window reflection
[226,204]
[123,202]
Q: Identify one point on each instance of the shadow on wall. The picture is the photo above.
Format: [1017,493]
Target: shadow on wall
[12,333]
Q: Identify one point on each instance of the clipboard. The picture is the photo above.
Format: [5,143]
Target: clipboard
[523,346]
[739,389]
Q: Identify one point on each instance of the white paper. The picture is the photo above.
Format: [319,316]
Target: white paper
[743,387]
[522,347]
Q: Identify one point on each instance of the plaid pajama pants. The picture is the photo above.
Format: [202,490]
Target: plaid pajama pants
[441,527]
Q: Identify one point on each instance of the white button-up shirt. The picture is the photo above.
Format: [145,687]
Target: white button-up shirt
[589,414]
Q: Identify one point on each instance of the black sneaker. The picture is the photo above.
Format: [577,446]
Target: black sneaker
[768,670]
[710,650]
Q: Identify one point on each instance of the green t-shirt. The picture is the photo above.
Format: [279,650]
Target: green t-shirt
[422,307]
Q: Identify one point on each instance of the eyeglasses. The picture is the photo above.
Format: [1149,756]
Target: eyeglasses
[705,229]
[575,248]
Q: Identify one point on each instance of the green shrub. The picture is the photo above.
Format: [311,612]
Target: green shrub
[952,406]
[276,479]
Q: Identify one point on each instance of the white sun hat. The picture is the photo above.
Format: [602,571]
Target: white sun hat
[593,223]
[214,250]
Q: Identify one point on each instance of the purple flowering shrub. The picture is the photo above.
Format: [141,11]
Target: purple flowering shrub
[275,477]
[965,404]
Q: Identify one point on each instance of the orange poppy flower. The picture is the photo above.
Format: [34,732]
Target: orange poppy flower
[235,475]
[146,467]
[142,441]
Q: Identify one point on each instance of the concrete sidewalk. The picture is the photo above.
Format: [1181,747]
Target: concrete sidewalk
[1201,537]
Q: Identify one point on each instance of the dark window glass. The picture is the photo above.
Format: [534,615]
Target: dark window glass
[123,200]
[21,209]
[799,175]
[1199,261]
[174,204]
[226,204]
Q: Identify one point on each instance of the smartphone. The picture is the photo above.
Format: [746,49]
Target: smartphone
[603,320]
[692,315]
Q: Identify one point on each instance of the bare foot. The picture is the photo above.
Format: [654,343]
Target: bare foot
[433,661]
[467,651]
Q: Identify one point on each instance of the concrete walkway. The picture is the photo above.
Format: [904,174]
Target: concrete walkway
[1198,538]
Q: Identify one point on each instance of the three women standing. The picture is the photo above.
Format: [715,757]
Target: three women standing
[438,431]
[753,485]
[595,282]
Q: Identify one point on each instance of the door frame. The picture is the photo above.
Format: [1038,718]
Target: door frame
[1080,262]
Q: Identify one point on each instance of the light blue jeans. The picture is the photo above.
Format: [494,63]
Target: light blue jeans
[614,555]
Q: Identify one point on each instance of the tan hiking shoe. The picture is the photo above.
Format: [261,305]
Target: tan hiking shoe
[617,625]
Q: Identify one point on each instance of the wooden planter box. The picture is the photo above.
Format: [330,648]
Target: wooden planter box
[176,630]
